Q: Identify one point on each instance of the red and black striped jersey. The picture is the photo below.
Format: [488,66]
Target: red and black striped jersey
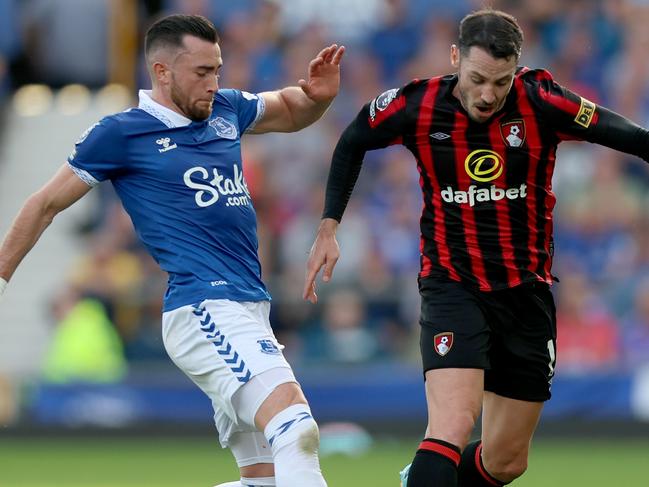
[487,187]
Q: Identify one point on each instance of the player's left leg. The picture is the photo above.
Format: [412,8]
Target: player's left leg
[517,384]
[293,434]
[228,349]
[276,405]
[501,455]
[286,453]
[252,454]
[507,429]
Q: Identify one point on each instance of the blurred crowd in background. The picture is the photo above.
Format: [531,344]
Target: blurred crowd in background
[369,312]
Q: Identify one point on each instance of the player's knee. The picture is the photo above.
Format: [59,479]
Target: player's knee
[455,429]
[505,468]
[281,398]
[295,439]
[305,439]
[462,427]
[309,439]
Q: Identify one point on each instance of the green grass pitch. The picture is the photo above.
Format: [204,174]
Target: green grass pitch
[187,462]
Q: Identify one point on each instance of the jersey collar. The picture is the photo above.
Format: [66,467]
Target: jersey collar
[170,118]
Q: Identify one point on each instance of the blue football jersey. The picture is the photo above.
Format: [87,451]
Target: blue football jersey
[182,184]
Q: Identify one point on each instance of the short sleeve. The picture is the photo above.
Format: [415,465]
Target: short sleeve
[99,154]
[249,107]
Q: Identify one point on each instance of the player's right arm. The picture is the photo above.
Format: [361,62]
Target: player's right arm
[98,155]
[379,124]
[39,210]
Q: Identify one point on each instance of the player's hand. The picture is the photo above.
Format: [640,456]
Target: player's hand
[324,74]
[324,252]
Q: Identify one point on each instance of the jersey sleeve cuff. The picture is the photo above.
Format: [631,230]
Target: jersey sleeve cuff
[85,176]
[261,109]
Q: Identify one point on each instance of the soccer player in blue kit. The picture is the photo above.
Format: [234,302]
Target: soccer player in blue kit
[175,162]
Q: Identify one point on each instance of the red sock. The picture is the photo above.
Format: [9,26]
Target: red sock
[435,465]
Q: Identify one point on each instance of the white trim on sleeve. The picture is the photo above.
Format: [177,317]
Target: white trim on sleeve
[261,109]
[85,176]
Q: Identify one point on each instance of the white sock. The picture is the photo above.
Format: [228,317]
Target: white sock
[251,482]
[294,439]
[258,481]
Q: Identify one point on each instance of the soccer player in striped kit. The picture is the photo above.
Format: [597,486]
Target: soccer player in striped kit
[175,162]
[484,140]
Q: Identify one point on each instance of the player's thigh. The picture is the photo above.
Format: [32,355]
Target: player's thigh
[454,330]
[454,345]
[222,346]
[454,398]
[507,429]
[523,342]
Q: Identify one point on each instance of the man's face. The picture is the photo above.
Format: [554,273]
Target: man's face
[483,81]
[193,77]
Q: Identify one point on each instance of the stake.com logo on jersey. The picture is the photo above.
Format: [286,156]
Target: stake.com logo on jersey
[211,186]
[483,165]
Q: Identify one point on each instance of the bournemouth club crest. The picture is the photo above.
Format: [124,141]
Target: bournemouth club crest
[443,342]
[513,133]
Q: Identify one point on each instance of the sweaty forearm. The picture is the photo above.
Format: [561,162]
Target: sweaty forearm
[25,231]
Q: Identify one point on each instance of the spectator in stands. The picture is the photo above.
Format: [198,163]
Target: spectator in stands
[344,334]
[85,346]
[587,335]
[635,330]
[62,51]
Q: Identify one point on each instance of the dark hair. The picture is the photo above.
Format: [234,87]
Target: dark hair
[496,32]
[169,31]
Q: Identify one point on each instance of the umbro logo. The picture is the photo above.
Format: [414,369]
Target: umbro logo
[166,144]
[440,136]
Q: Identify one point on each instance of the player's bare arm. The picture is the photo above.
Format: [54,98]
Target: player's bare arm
[324,252]
[294,108]
[39,210]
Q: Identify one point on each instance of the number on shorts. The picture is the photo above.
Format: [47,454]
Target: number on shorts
[553,357]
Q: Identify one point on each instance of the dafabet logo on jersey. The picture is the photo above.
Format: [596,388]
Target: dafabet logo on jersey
[586,112]
[483,166]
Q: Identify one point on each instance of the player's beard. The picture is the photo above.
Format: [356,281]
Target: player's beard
[194,111]
[468,106]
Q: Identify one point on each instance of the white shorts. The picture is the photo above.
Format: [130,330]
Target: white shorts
[221,345]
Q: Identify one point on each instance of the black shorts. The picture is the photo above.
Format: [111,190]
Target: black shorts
[510,333]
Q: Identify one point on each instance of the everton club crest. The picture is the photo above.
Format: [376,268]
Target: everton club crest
[443,342]
[513,133]
[224,128]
